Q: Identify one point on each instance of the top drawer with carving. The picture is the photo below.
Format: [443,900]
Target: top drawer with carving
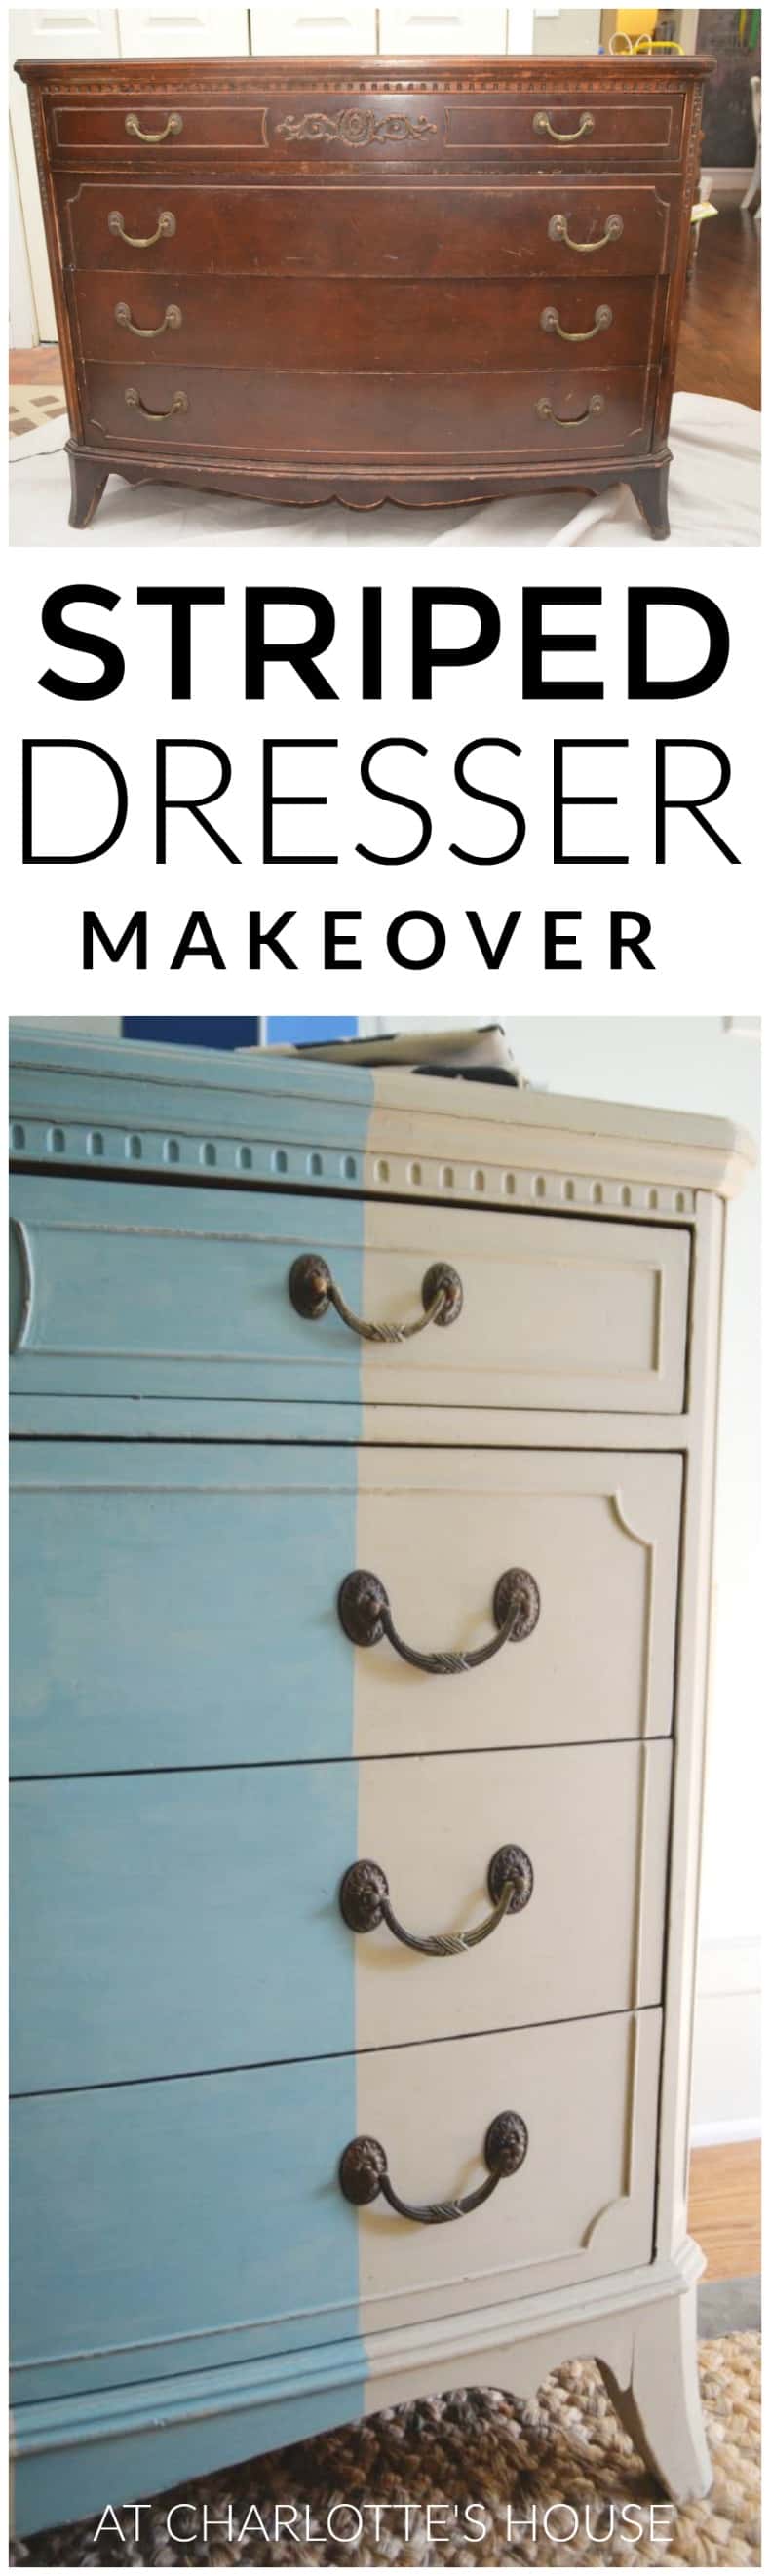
[139,1289]
[386,120]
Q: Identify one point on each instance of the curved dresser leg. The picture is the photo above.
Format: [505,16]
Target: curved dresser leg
[650,490]
[87,481]
[661,2407]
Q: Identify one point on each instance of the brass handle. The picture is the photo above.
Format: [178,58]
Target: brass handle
[313,1290]
[134,400]
[173,125]
[558,230]
[549,321]
[363,2173]
[365,1903]
[148,330]
[541,124]
[567,420]
[365,1614]
[165,227]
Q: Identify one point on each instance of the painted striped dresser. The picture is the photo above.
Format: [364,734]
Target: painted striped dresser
[362,1467]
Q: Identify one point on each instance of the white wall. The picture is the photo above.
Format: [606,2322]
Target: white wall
[710,1065]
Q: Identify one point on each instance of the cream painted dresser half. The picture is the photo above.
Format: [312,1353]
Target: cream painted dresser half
[363,1475]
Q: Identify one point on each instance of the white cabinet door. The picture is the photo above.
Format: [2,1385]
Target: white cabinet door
[183,31]
[450,31]
[564,31]
[38,33]
[313,31]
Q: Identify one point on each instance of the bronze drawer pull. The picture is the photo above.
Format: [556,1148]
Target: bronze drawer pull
[549,321]
[541,124]
[365,1902]
[312,1290]
[134,400]
[364,1612]
[173,125]
[150,330]
[565,420]
[363,2173]
[166,225]
[558,231]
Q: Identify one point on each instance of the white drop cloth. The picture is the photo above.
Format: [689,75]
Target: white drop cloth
[714,489]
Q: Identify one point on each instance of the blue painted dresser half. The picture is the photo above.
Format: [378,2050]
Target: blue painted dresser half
[363,1449]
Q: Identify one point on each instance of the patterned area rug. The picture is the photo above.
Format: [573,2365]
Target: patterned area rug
[473,2456]
[32,406]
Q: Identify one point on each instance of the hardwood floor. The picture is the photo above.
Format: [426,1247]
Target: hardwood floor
[724,2210]
[719,344]
[36,366]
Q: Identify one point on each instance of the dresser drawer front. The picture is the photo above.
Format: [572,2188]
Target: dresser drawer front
[473,231]
[139,1290]
[179,1605]
[463,324]
[160,2226]
[171,1924]
[390,129]
[301,416]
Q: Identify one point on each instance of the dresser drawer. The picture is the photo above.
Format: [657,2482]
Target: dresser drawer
[619,227]
[301,415]
[158,2227]
[141,1290]
[459,324]
[173,1923]
[309,124]
[178,1605]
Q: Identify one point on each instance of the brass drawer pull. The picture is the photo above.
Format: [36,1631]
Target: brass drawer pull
[565,420]
[173,125]
[166,225]
[558,230]
[134,400]
[541,124]
[363,2173]
[549,321]
[150,330]
[365,1902]
[312,1290]
[364,1612]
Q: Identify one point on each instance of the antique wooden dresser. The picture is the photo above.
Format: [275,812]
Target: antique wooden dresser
[426,281]
[363,1469]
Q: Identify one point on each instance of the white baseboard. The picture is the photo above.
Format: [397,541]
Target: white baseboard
[724,2133]
[728,183]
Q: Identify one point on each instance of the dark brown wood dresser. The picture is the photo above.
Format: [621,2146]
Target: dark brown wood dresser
[419,280]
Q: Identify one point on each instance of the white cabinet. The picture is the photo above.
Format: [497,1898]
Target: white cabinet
[451,31]
[313,31]
[183,31]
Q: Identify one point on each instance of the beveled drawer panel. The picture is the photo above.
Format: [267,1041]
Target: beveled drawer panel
[303,416]
[171,1924]
[142,1290]
[469,324]
[163,130]
[620,227]
[561,123]
[214,2226]
[177,1605]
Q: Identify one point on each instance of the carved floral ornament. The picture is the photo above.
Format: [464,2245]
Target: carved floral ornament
[355,126]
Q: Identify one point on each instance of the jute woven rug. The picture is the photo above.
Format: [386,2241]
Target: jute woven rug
[475,2454]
